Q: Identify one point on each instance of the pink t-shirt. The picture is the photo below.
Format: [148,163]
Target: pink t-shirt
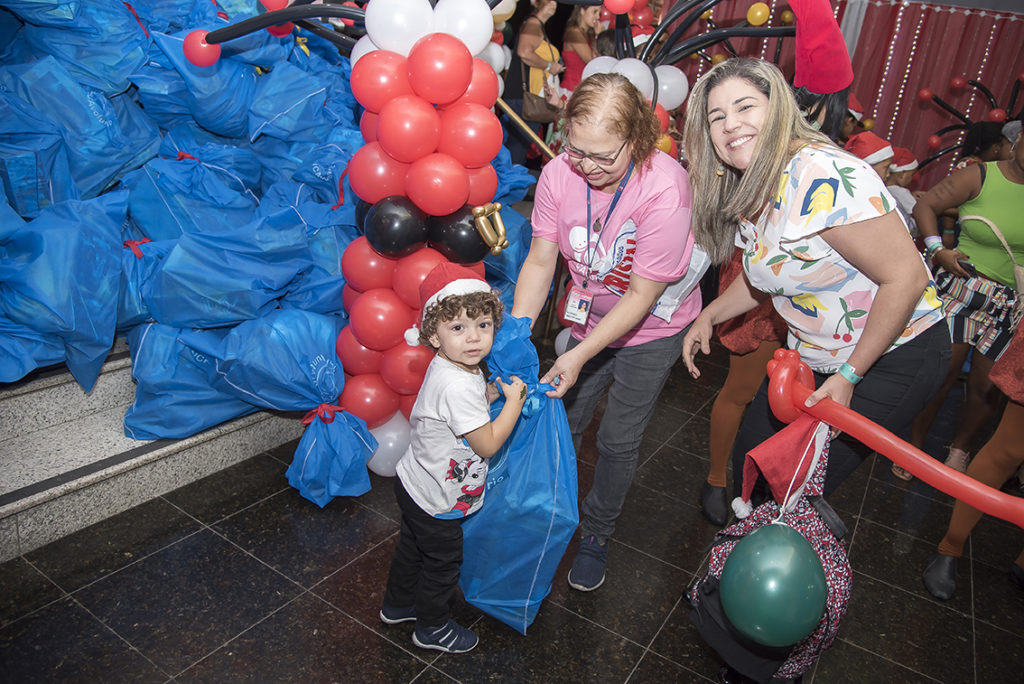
[647,234]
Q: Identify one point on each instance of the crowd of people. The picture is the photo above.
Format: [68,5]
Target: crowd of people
[784,189]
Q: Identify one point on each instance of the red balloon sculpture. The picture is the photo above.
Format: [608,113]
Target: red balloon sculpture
[791,382]
[440,68]
[198,51]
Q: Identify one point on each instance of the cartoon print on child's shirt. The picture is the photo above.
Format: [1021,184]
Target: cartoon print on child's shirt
[472,475]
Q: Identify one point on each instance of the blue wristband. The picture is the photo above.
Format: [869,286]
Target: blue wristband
[848,372]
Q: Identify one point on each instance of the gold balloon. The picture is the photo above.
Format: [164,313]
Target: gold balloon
[706,15]
[787,16]
[664,143]
[718,59]
[757,14]
[868,124]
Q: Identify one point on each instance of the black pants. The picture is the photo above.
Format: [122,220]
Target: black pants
[425,569]
[892,393]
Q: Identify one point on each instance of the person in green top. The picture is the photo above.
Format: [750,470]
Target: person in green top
[976,283]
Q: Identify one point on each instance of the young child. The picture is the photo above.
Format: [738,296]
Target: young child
[901,172]
[872,149]
[441,476]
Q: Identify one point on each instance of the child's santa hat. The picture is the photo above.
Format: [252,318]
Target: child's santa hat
[869,147]
[444,280]
[822,62]
[787,460]
[855,108]
[902,160]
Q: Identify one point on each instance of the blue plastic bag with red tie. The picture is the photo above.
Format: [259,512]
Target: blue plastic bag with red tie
[331,457]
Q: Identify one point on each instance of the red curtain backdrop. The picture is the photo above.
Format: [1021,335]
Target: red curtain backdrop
[904,47]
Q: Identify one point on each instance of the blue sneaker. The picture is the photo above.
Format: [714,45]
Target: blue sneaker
[393,616]
[450,638]
[587,572]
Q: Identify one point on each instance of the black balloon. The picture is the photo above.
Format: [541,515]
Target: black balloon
[362,209]
[395,227]
[456,237]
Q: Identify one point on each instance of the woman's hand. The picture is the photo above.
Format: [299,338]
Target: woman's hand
[837,388]
[698,337]
[555,68]
[564,372]
[949,260]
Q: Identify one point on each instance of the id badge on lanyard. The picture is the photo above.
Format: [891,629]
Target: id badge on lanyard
[577,305]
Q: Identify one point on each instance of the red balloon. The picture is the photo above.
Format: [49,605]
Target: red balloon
[957,82]
[355,358]
[483,87]
[498,37]
[662,115]
[618,6]
[281,30]
[368,126]
[470,133]
[409,128]
[368,397]
[198,51]
[791,382]
[364,269]
[272,5]
[378,77]
[402,367]
[934,142]
[607,15]
[349,22]
[477,268]
[642,16]
[379,319]
[411,271]
[405,404]
[997,115]
[483,185]
[439,68]
[374,174]
[436,183]
[348,296]
[925,94]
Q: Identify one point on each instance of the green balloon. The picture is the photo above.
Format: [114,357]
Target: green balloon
[773,586]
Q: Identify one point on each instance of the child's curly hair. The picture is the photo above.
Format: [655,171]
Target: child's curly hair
[476,304]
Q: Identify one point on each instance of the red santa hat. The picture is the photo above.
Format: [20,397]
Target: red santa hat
[902,160]
[787,460]
[869,147]
[444,280]
[855,108]
[822,62]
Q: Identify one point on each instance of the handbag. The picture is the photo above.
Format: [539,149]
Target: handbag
[1018,270]
[536,108]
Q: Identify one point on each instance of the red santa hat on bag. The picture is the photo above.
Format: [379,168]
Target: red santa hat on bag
[822,62]
[869,147]
[787,461]
[902,160]
[855,108]
[444,280]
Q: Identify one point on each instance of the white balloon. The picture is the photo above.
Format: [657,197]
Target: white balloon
[392,441]
[672,86]
[397,24]
[362,46]
[508,55]
[493,55]
[562,340]
[599,65]
[468,20]
[501,87]
[638,73]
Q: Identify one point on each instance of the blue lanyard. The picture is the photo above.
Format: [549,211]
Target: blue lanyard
[596,227]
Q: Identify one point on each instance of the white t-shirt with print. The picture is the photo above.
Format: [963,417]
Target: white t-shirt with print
[442,474]
[823,298]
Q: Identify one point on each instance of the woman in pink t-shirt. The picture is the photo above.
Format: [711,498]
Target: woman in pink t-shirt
[618,211]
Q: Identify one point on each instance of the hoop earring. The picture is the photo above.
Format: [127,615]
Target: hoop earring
[720,171]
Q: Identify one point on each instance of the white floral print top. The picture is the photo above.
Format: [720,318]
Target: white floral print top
[822,297]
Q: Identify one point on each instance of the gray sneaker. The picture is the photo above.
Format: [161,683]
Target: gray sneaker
[587,572]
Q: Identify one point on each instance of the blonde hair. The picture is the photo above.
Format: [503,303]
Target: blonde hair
[722,195]
[616,103]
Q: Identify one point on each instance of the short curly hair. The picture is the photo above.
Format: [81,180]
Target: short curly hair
[476,304]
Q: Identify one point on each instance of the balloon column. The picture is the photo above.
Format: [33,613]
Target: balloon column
[791,382]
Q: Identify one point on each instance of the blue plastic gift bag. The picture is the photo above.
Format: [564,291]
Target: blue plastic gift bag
[289,105]
[139,261]
[22,350]
[60,274]
[331,457]
[174,397]
[513,544]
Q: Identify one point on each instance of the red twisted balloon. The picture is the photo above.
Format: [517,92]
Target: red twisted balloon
[791,382]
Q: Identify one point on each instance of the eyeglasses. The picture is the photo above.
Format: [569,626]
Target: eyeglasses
[602,161]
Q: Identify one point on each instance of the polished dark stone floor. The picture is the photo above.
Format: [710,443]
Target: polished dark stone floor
[237,578]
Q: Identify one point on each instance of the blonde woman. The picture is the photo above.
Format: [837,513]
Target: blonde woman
[822,237]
